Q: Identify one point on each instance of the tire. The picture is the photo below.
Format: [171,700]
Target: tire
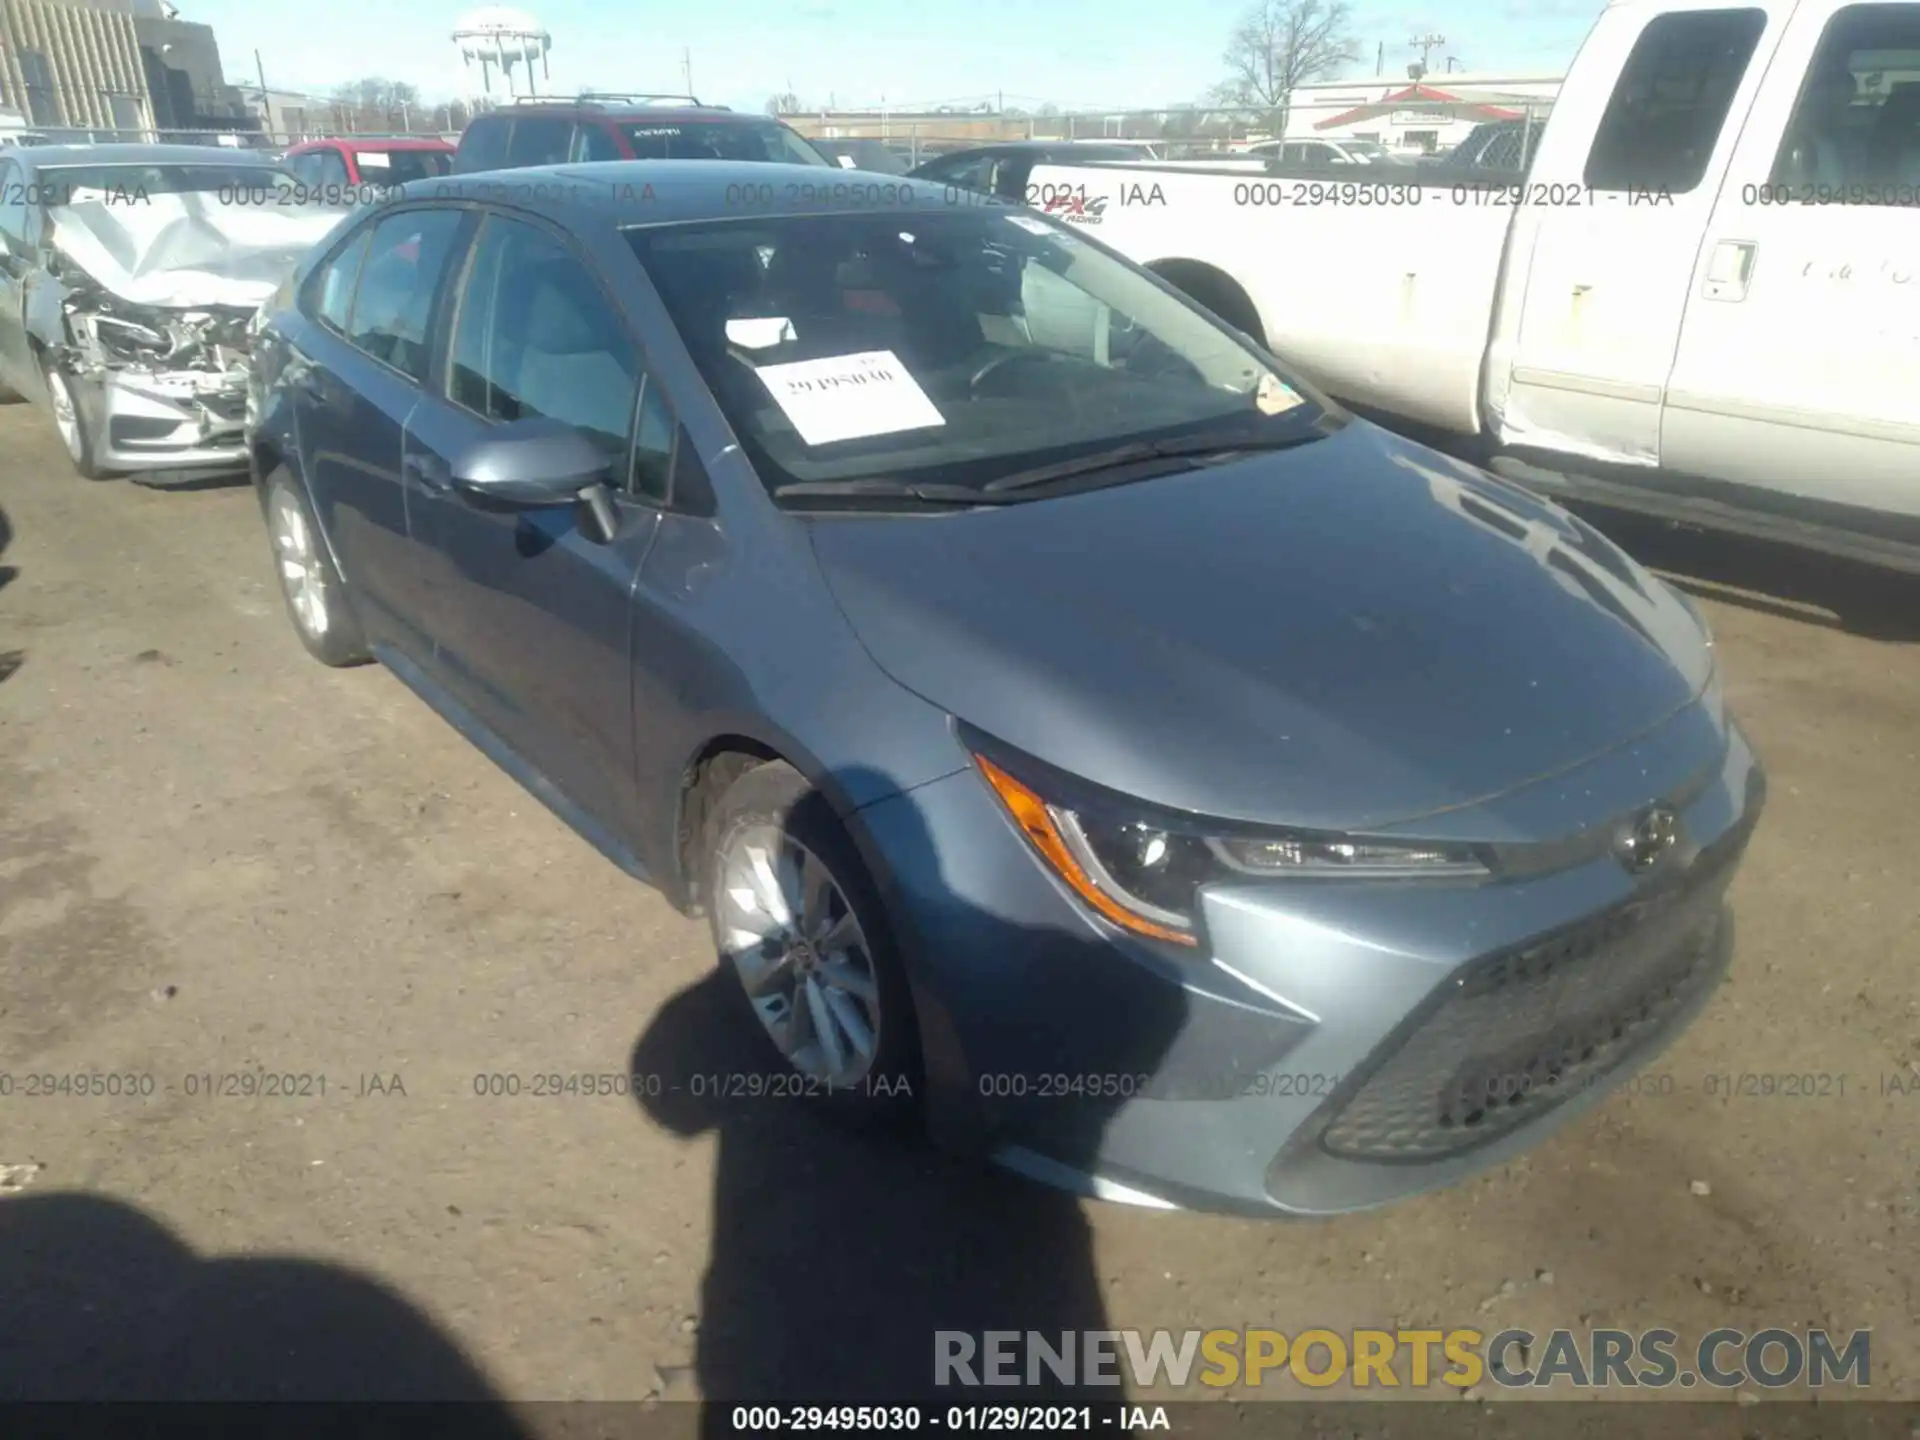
[71,424]
[771,809]
[315,595]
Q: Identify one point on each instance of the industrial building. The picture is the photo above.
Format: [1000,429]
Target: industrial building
[114,69]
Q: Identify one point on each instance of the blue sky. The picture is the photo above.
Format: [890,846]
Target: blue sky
[1076,53]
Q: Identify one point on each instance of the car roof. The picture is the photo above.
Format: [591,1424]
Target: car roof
[626,193]
[43,156]
[622,113]
[357,143]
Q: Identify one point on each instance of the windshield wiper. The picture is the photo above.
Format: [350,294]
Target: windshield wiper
[1141,451]
[931,492]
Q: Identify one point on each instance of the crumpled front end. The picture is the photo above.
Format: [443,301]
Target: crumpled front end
[171,384]
[155,299]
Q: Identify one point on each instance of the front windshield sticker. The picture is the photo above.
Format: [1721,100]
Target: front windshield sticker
[375,160]
[1270,397]
[847,397]
[760,333]
[1030,225]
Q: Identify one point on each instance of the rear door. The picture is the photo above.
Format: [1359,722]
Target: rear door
[530,614]
[356,373]
[1799,360]
[1601,255]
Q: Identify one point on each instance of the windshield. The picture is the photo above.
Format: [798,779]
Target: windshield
[1368,149]
[398,167]
[719,140]
[947,348]
[133,183]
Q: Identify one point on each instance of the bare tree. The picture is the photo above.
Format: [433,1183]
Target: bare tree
[785,103]
[1279,45]
[374,102]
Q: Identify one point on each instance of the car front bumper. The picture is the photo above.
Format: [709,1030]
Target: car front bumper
[168,420]
[1331,1050]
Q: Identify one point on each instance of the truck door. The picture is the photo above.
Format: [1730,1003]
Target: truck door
[1799,361]
[1615,205]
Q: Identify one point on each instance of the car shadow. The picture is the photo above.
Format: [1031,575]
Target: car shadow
[186,481]
[1769,577]
[838,1254]
[103,1302]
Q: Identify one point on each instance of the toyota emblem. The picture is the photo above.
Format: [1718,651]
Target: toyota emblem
[1648,838]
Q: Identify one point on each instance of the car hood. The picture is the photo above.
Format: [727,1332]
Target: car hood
[1347,635]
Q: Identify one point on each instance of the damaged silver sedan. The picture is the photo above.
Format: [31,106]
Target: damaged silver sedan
[129,279]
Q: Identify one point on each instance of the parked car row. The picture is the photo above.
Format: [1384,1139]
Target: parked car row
[1085,739]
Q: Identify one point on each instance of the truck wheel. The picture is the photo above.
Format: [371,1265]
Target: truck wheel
[316,596]
[796,920]
[70,419]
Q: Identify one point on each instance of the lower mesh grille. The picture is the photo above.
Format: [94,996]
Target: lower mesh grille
[1517,1034]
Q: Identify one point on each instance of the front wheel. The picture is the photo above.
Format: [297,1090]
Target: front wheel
[797,921]
[70,419]
[316,598]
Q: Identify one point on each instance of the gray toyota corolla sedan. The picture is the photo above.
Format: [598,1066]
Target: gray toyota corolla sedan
[1083,737]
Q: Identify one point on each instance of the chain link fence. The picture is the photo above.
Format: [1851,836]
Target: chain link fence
[1367,122]
[1375,122]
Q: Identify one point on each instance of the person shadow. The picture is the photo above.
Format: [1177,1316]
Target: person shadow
[840,1253]
[100,1301]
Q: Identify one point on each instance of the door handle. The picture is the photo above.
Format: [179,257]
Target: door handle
[430,470]
[1729,270]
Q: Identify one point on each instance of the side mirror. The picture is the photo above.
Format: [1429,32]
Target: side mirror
[530,462]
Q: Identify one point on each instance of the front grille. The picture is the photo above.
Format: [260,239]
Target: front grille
[1516,1034]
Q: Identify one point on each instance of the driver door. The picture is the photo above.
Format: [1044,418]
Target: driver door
[529,612]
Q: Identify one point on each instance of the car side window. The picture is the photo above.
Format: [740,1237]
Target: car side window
[592,142]
[332,169]
[974,174]
[1672,99]
[1854,135]
[538,140]
[393,305]
[334,286]
[483,146]
[536,335]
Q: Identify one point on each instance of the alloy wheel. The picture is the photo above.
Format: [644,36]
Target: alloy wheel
[65,418]
[300,574]
[793,940]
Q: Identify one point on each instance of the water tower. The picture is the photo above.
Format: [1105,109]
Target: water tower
[497,36]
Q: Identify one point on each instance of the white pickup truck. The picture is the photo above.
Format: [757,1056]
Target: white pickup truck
[1701,301]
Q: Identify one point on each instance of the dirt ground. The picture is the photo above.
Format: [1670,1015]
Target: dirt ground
[218,859]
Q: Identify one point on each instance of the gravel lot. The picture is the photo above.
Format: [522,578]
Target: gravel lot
[220,859]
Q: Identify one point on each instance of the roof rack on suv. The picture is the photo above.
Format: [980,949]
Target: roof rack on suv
[614,97]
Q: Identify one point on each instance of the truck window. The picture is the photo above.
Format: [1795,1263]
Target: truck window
[1671,100]
[1854,137]
[538,140]
[484,145]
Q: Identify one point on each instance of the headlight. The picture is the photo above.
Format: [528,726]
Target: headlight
[1143,871]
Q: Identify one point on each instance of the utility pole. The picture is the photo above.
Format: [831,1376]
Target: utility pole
[1426,45]
[1380,60]
[266,110]
[686,67]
